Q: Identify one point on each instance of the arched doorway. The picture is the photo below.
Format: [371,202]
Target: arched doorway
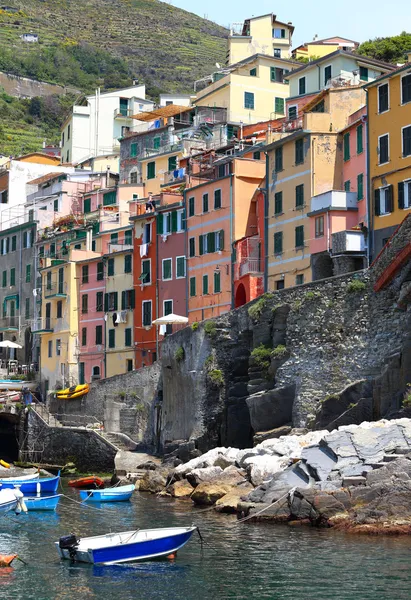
[240,296]
[9,448]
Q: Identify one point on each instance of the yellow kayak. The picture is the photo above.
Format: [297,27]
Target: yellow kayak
[74,392]
[4,464]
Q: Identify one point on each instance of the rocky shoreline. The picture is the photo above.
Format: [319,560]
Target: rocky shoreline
[356,478]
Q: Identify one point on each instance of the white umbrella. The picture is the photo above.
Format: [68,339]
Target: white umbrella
[170,319]
[9,344]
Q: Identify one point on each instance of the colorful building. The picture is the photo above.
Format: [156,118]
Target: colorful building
[319,48]
[389,143]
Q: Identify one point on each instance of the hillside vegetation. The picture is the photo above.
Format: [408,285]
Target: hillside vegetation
[390,49]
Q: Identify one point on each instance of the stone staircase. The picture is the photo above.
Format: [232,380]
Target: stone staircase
[46,416]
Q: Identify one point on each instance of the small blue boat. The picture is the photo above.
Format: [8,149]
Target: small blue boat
[116,494]
[127,546]
[40,485]
[42,502]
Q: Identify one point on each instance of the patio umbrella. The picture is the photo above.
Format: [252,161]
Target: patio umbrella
[171,319]
[9,344]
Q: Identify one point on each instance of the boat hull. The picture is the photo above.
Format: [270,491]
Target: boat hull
[120,494]
[86,482]
[46,485]
[148,549]
[42,502]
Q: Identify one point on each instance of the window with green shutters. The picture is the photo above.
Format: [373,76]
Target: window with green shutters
[299,236]
[253,72]
[249,100]
[114,238]
[278,242]
[128,263]
[111,338]
[257,155]
[128,237]
[278,159]
[84,336]
[211,242]
[217,199]
[167,307]
[48,280]
[172,163]
[205,285]
[180,267]
[192,247]
[109,198]
[346,146]
[128,299]
[56,205]
[278,203]
[133,150]
[156,143]
[84,304]
[360,186]
[87,205]
[13,243]
[99,302]
[205,203]
[191,207]
[363,74]
[201,250]
[110,267]
[406,89]
[217,282]
[220,240]
[100,271]
[12,276]
[299,196]
[299,152]
[28,273]
[27,308]
[99,334]
[359,139]
[174,221]
[406,141]
[146,271]
[151,170]
[167,269]
[59,309]
[4,279]
[192,287]
[147,313]
[347,186]
[279,106]
[127,335]
[301,86]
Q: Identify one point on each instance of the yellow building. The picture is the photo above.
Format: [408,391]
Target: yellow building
[389,143]
[320,48]
[259,35]
[252,90]
[156,169]
[302,165]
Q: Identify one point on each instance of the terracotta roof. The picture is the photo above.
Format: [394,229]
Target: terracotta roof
[359,57]
[403,67]
[45,178]
[166,111]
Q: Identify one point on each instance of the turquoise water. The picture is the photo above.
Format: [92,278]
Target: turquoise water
[239,561]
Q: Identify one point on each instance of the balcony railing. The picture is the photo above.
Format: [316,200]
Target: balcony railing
[123,113]
[334,199]
[55,289]
[41,325]
[9,323]
[119,246]
[175,176]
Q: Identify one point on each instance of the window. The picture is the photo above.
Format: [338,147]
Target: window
[12,276]
[202,244]
[299,279]
[249,100]
[58,347]
[301,86]
[205,203]
[99,302]
[383,149]
[346,143]
[114,238]
[319,226]
[278,33]
[292,113]
[327,74]
[192,287]
[279,104]
[109,198]
[222,169]
[133,177]
[99,335]
[110,267]
[164,223]
[48,280]
[406,141]
[219,239]
[127,337]
[192,247]
[128,299]
[129,365]
[406,89]
[363,74]
[147,233]
[383,200]
[299,236]
[111,338]
[28,273]
[299,152]
[360,186]
[257,155]
[84,336]
[217,282]
[217,197]
[404,194]
[111,301]
[253,73]
[151,170]
[191,206]
[360,147]
[167,307]
[277,52]
[180,267]
[156,142]
[100,271]
[299,196]
[347,186]
[27,308]
[383,98]
[59,309]
[133,150]
[278,203]
[205,285]
[84,274]
[146,271]
[4,279]
[56,205]
[172,163]
[68,132]
[278,242]
[13,243]
[147,313]
[128,263]
[167,269]
[50,349]
[84,304]
[278,159]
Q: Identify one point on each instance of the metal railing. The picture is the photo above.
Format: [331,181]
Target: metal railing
[41,324]
[9,323]
[53,289]
[119,246]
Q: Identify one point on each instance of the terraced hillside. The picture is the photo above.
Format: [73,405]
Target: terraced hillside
[106,42]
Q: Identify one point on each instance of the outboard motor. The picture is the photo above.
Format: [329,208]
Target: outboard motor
[70,543]
[21,505]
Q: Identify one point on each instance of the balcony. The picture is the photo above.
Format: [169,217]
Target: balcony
[119,247]
[41,325]
[166,149]
[348,241]
[9,324]
[248,258]
[175,176]
[56,290]
[123,113]
[334,200]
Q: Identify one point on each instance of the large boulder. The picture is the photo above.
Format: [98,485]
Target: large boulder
[272,408]
[207,494]
[181,489]
[153,481]
[261,468]
[229,502]
[197,476]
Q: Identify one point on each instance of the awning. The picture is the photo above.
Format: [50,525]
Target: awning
[171,319]
[166,111]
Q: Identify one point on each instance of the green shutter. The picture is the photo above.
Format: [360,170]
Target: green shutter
[133,150]
[221,240]
[174,218]
[278,242]
[346,146]
[217,282]
[347,186]
[359,139]
[123,300]
[201,245]
[205,203]
[180,266]
[4,282]
[111,338]
[279,106]
[172,163]
[133,298]
[377,207]
[211,242]
[27,309]
[299,236]
[12,277]
[217,198]
[183,220]
[192,286]
[115,300]
[110,267]
[160,219]
[156,143]
[87,205]
[400,195]
[192,248]
[191,207]
[299,152]
[109,198]
[28,273]
[167,268]
[278,203]
[128,336]
[360,186]
[127,263]
[299,196]
[151,170]
[272,74]
[205,285]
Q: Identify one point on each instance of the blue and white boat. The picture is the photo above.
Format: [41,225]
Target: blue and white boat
[115,494]
[8,500]
[42,502]
[127,546]
[36,485]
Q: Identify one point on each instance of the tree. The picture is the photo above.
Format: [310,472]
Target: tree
[389,49]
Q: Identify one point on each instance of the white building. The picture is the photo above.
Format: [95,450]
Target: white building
[95,126]
[178,99]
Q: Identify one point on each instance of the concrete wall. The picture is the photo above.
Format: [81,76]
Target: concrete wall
[22,87]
